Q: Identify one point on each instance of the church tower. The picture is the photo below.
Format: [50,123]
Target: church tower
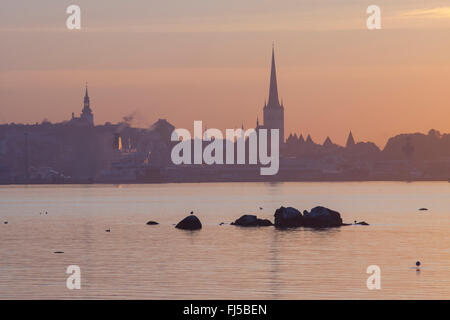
[86,113]
[273,110]
[350,141]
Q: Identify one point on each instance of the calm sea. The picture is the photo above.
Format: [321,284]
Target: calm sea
[135,260]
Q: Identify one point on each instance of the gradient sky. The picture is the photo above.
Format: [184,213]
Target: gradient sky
[210,60]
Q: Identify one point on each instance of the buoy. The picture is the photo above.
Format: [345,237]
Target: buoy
[417,265]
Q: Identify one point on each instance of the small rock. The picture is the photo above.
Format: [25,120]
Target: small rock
[362,223]
[191,222]
[6,222]
[58,252]
[423,209]
[152,223]
[249,220]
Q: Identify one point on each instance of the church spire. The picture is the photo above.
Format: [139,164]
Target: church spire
[86,113]
[350,140]
[86,98]
[273,90]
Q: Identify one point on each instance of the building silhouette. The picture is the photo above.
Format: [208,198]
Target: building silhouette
[86,117]
[350,140]
[273,111]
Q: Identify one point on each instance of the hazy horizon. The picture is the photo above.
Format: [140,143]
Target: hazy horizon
[162,59]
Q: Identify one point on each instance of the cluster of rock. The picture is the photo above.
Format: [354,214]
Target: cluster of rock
[318,217]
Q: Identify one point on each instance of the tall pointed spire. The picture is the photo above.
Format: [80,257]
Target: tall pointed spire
[350,140]
[273,90]
[86,113]
[86,94]
[86,98]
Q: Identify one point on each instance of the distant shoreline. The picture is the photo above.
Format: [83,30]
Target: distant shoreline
[219,181]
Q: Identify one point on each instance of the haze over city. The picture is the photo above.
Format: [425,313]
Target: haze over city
[209,61]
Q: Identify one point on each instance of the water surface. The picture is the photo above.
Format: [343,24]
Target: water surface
[223,262]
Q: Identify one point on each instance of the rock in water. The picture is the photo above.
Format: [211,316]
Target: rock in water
[152,223]
[249,220]
[191,222]
[288,218]
[321,217]
[362,223]
[423,209]
[264,223]
[246,220]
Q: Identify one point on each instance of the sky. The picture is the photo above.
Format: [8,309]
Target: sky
[210,60]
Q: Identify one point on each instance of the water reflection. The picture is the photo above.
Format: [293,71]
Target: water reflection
[159,262]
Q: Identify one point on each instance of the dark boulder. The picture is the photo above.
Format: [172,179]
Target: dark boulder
[246,220]
[321,217]
[249,220]
[362,223]
[152,223]
[288,218]
[423,209]
[264,223]
[191,222]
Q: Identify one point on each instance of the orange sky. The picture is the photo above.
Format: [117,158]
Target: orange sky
[211,63]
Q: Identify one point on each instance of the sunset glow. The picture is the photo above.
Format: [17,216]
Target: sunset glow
[334,74]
